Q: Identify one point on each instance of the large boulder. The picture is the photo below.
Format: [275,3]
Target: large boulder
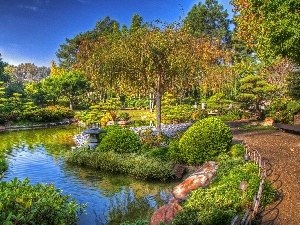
[201,178]
[166,213]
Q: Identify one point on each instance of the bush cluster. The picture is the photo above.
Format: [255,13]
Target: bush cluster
[22,203]
[283,110]
[47,114]
[203,141]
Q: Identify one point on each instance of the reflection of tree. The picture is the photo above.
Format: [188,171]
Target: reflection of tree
[56,140]
[130,199]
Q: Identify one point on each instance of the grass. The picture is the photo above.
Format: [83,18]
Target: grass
[137,114]
[256,127]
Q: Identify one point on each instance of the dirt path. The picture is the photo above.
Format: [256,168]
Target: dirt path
[281,151]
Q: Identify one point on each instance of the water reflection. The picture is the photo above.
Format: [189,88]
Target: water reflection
[112,199]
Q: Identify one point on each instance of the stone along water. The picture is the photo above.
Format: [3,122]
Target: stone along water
[112,199]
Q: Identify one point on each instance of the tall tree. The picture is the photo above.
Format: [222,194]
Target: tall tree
[269,27]
[209,19]
[153,59]
[168,58]
[67,52]
[3,76]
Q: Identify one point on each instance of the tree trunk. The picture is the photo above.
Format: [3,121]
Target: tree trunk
[257,109]
[158,103]
[71,106]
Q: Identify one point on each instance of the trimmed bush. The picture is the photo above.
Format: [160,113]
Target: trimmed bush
[22,203]
[204,141]
[120,140]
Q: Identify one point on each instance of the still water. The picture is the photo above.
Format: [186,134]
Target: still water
[112,199]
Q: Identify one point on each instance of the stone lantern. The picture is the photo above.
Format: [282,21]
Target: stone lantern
[94,138]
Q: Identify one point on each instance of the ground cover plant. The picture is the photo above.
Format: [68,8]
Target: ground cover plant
[223,199]
[22,203]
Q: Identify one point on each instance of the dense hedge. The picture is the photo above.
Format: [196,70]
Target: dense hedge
[132,164]
[22,203]
[204,141]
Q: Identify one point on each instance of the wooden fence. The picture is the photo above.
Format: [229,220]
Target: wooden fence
[251,212]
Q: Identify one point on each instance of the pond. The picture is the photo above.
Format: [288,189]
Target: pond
[112,199]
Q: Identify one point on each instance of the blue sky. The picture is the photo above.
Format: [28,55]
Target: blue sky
[32,30]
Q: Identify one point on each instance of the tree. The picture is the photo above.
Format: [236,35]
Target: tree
[169,59]
[36,93]
[253,91]
[294,85]
[56,71]
[208,19]
[151,58]
[71,85]
[3,76]
[67,52]
[271,28]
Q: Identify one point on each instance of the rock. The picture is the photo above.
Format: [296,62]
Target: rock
[267,122]
[201,178]
[166,213]
[179,171]
[111,122]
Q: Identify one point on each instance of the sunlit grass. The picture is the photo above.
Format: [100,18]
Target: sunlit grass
[137,114]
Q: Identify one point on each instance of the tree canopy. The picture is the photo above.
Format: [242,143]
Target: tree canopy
[270,27]
[209,19]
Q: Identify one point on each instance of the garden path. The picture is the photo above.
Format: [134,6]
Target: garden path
[281,152]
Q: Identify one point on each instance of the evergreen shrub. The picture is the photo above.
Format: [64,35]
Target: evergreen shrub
[204,141]
[22,203]
[120,140]
[158,153]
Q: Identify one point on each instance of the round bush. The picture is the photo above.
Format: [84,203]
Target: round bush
[204,141]
[120,140]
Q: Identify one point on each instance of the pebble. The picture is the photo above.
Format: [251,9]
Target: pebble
[81,139]
[170,130]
